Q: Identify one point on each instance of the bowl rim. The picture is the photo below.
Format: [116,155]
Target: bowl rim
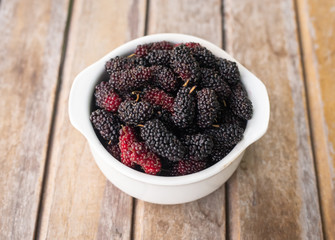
[83,87]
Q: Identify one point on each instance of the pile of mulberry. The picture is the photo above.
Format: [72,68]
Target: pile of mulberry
[170,109]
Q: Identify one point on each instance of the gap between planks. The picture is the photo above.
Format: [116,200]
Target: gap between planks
[54,112]
[146,21]
[223,44]
[309,121]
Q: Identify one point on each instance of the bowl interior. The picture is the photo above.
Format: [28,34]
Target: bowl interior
[82,93]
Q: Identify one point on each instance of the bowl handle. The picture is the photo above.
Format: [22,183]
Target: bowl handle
[80,99]
[262,116]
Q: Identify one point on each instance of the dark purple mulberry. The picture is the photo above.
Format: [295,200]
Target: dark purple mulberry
[131,79]
[143,50]
[164,78]
[134,113]
[204,57]
[184,108]
[186,167]
[226,134]
[159,57]
[240,104]
[184,64]
[199,146]
[219,152]
[124,63]
[107,124]
[228,70]
[117,64]
[211,79]
[115,151]
[159,140]
[207,107]
[227,116]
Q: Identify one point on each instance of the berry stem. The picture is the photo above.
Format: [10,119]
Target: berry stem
[192,89]
[215,125]
[186,83]
[137,95]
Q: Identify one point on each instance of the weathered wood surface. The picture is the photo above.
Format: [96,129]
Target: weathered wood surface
[203,219]
[78,203]
[31,43]
[273,194]
[317,25]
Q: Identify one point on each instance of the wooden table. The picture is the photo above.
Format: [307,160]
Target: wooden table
[50,186]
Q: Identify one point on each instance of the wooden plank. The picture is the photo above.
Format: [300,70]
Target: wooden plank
[317,23]
[31,42]
[273,195]
[202,219]
[205,218]
[78,204]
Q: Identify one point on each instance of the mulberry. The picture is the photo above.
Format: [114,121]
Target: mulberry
[130,79]
[117,64]
[161,141]
[240,104]
[133,113]
[159,57]
[199,146]
[107,124]
[143,50]
[115,151]
[204,57]
[134,152]
[228,70]
[211,79]
[184,108]
[158,98]
[207,107]
[226,134]
[164,78]
[106,98]
[219,152]
[186,167]
[184,64]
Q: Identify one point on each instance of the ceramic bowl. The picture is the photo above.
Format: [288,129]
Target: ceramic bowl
[159,189]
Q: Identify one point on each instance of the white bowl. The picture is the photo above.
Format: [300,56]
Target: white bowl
[159,189]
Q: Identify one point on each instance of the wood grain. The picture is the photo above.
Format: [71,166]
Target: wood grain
[31,42]
[317,23]
[273,194]
[205,218]
[202,219]
[78,204]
